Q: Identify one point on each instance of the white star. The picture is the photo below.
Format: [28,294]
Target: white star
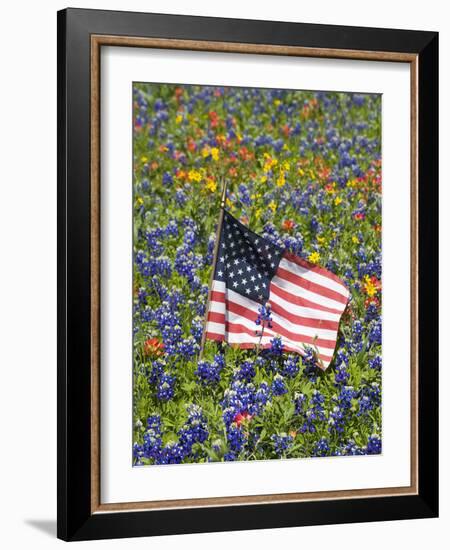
[240,272]
[259,276]
[256,241]
[235,284]
[272,265]
[244,281]
[222,259]
[236,261]
[269,256]
[259,250]
[247,291]
[257,288]
[264,285]
[252,278]
[231,275]
[249,268]
[267,247]
[220,273]
[231,245]
[228,265]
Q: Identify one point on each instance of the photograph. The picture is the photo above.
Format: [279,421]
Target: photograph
[257,274]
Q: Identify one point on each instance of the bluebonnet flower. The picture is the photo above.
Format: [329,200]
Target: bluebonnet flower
[290,366]
[278,385]
[322,447]
[276,346]
[375,363]
[375,334]
[236,438]
[209,372]
[341,376]
[245,371]
[374,445]
[195,430]
[166,387]
[264,316]
[282,443]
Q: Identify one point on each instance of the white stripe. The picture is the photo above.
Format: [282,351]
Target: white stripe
[314,277]
[307,294]
[216,328]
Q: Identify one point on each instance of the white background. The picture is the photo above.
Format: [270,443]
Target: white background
[120,482]
[28,275]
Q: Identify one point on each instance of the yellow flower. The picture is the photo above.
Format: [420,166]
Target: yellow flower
[272,206]
[314,257]
[301,172]
[179,119]
[211,185]
[194,175]
[205,152]
[258,213]
[286,165]
[215,153]
[355,239]
[320,239]
[337,201]
[144,159]
[276,102]
[139,201]
[229,203]
[281,180]
[269,162]
[263,179]
[369,287]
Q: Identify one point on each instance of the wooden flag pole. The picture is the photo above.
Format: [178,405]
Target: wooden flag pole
[214,262]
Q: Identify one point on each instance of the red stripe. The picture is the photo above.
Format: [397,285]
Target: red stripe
[299,301]
[214,336]
[312,267]
[217,296]
[215,317]
[309,285]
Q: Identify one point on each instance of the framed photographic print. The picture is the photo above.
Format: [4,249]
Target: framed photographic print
[247,251]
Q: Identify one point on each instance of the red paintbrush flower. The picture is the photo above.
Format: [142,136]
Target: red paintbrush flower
[153,346]
[288,225]
[242,417]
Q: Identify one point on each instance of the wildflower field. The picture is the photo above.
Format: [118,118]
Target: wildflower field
[303,169]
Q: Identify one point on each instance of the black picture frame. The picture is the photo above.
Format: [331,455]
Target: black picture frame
[75,518]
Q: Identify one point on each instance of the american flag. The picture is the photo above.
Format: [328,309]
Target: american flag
[306,300]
